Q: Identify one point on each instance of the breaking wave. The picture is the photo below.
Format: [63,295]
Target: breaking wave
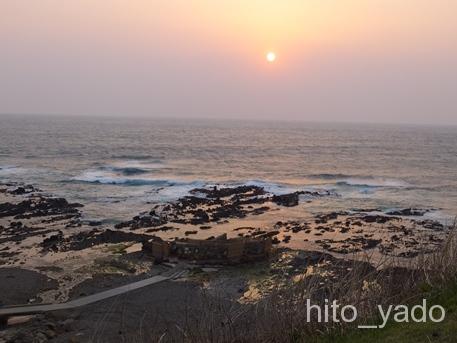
[326,176]
[372,182]
[359,181]
[100,177]
[129,170]
[10,170]
[131,157]
[273,187]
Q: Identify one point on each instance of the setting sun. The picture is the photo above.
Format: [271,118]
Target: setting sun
[271,57]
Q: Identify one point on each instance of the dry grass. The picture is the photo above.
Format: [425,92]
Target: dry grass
[282,316]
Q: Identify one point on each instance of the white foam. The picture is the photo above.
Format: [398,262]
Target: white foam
[148,165]
[276,188]
[103,177]
[440,216]
[10,169]
[171,187]
[178,190]
[273,187]
[373,182]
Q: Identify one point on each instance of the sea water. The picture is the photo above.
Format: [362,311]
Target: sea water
[117,167]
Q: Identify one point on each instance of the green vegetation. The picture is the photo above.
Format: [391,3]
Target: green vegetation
[117,248]
[443,332]
[113,266]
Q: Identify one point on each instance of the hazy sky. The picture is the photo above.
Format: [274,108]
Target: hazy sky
[337,60]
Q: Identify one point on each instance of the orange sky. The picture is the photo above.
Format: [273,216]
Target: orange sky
[338,60]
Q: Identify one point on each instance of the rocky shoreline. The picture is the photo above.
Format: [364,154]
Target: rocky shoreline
[50,253]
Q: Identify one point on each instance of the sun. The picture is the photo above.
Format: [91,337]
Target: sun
[271,56]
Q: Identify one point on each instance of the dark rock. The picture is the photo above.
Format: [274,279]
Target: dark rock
[27,189]
[260,210]
[200,217]
[51,243]
[229,211]
[288,200]
[162,228]
[324,218]
[139,222]
[371,243]
[363,210]
[344,230]
[431,225]
[39,206]
[229,191]
[408,212]
[376,219]
[89,239]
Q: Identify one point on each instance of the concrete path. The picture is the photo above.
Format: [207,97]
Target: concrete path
[20,310]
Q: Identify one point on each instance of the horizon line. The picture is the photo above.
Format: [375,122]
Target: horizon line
[230,119]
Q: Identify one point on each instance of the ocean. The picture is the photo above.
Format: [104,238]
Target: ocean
[117,167]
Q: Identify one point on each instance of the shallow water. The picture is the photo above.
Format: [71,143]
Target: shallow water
[116,166]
